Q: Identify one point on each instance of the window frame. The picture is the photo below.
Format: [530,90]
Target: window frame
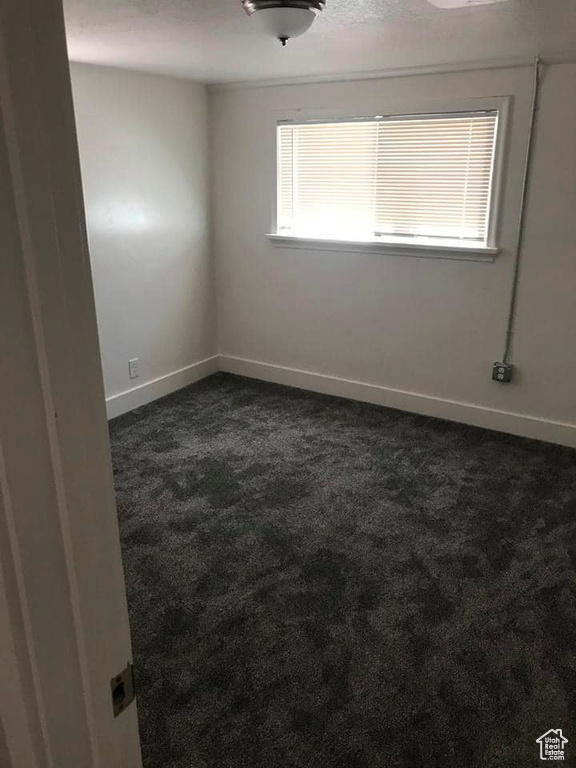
[422,247]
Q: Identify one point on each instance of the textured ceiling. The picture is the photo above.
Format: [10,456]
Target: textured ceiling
[214,41]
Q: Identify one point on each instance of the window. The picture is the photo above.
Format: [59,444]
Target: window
[408,179]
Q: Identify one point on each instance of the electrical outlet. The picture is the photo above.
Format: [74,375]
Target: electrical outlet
[502,372]
[134,368]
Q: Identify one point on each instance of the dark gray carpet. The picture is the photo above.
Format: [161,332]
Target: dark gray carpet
[318,583]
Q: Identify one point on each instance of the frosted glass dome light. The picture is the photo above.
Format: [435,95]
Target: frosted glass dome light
[284,19]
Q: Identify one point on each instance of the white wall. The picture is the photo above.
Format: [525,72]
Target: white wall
[143,143]
[414,333]
[406,325]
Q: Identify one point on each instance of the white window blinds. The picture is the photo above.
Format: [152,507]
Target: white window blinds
[413,176]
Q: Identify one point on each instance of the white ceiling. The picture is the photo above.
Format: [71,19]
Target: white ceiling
[214,41]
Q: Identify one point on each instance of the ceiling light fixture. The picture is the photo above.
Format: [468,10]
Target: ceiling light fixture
[284,18]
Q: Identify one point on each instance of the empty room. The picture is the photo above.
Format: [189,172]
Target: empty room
[302,309]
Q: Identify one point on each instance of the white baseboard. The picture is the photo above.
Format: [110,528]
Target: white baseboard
[452,410]
[466,413]
[164,385]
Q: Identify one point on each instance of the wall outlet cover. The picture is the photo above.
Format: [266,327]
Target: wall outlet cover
[134,368]
[502,372]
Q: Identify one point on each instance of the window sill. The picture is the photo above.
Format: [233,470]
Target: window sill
[420,249]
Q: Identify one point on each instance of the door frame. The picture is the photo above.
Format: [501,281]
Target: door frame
[64,630]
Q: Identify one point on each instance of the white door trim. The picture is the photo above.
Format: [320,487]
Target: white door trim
[62,596]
